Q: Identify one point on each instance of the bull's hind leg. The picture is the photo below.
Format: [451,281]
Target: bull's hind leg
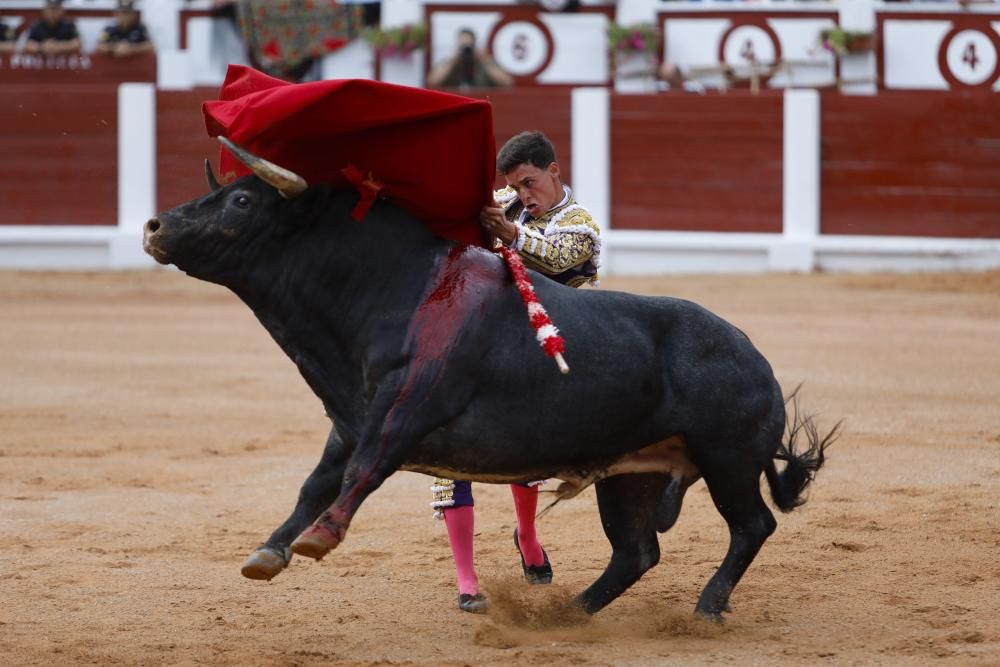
[735,489]
[318,491]
[628,514]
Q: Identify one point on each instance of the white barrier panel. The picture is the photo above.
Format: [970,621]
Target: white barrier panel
[800,183]
[548,48]
[136,172]
[780,46]
[590,138]
[940,50]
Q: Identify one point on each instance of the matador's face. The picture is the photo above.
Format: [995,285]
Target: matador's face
[538,189]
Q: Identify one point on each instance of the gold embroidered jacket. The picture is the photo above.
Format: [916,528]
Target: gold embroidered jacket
[564,243]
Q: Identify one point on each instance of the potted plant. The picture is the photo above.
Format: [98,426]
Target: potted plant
[633,42]
[399,42]
[842,41]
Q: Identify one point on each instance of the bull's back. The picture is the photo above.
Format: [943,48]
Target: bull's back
[642,369]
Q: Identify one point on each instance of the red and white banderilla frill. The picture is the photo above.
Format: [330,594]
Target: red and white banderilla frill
[545,331]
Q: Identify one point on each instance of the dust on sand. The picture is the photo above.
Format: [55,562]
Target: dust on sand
[151,435]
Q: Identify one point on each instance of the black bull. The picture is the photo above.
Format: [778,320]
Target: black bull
[422,355]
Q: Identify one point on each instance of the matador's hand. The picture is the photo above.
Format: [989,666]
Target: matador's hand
[493,221]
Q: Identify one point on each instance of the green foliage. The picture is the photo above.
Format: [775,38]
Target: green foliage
[396,42]
[842,41]
[635,39]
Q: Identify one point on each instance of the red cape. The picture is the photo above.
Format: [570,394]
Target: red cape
[431,152]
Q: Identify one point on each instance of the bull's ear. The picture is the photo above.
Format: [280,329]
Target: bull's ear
[210,177]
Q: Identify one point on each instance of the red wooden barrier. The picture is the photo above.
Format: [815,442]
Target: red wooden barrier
[696,163]
[911,164]
[76,69]
[182,146]
[537,108]
[60,163]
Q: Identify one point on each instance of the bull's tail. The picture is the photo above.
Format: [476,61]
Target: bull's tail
[787,487]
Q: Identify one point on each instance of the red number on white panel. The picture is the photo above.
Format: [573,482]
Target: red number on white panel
[519,49]
[969,56]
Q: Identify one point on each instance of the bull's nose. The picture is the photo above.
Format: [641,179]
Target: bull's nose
[151,242]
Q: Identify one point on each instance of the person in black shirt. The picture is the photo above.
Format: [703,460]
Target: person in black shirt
[54,33]
[127,36]
[7,41]
[468,67]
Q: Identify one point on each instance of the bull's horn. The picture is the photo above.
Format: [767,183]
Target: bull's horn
[210,177]
[288,183]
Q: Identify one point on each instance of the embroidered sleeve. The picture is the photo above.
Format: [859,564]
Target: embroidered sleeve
[504,196]
[568,240]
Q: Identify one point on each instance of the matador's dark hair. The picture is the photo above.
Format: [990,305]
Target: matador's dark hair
[526,148]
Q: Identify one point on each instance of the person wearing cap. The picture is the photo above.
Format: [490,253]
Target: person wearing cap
[53,33]
[7,41]
[127,36]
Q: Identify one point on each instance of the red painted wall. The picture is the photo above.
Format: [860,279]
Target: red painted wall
[182,146]
[696,163]
[60,155]
[911,164]
[924,164]
[534,108]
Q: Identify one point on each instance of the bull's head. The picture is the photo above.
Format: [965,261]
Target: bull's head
[228,227]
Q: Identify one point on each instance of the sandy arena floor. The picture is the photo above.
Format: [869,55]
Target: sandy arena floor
[151,435]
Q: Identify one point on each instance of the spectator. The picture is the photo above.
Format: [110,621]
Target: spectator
[670,74]
[468,67]
[557,5]
[127,36]
[54,33]
[225,9]
[7,41]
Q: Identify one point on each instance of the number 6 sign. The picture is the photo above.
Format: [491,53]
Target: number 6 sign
[520,47]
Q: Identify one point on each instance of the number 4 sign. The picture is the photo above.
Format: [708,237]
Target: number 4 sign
[969,58]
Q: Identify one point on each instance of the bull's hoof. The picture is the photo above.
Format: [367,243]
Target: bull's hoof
[474,604]
[715,617]
[264,564]
[315,542]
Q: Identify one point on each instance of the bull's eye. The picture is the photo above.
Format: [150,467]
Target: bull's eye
[243,201]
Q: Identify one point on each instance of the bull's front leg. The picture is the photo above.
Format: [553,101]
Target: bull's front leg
[318,491]
[398,420]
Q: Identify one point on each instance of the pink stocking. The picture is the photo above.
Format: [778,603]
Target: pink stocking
[525,504]
[461,525]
